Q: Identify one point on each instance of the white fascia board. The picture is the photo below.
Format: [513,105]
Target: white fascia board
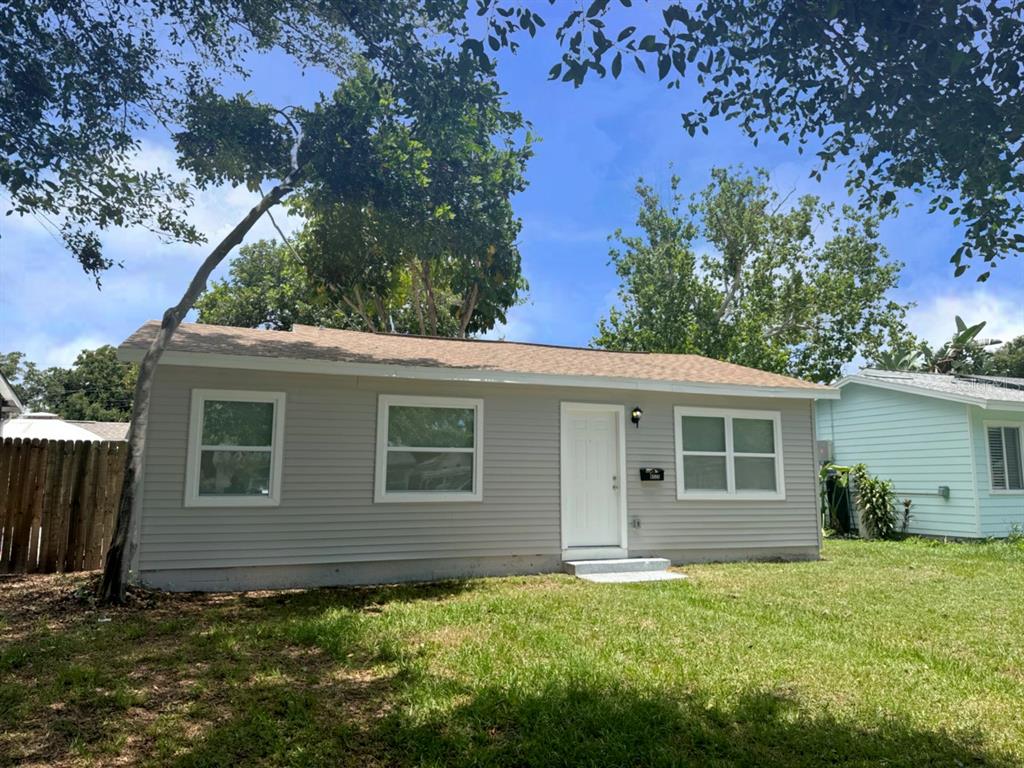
[1003,405]
[476,375]
[981,402]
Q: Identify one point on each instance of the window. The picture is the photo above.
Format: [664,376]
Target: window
[234,449]
[728,454]
[428,449]
[1004,458]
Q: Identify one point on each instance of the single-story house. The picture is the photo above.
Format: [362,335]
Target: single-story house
[950,443]
[10,404]
[48,426]
[316,456]
[103,430]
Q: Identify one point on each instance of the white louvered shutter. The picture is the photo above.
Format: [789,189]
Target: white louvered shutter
[997,458]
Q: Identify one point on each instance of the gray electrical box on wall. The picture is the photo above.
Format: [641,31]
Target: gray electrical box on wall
[652,473]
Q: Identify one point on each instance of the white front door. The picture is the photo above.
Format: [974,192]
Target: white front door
[592,492]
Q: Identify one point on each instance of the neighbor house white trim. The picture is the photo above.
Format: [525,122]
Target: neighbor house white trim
[581,553]
[430,373]
[986,425]
[728,414]
[195,448]
[982,402]
[380,493]
[975,492]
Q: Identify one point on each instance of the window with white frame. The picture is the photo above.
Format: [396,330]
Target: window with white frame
[235,441]
[728,453]
[1006,468]
[429,449]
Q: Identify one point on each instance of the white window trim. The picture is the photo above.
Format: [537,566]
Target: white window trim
[730,494]
[988,455]
[195,436]
[380,493]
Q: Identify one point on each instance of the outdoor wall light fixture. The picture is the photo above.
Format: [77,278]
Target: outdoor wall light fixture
[635,415]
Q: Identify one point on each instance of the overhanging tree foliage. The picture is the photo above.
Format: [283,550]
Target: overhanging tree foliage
[909,96]
[82,81]
[767,293]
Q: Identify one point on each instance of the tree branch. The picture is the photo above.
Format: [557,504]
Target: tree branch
[468,307]
[119,555]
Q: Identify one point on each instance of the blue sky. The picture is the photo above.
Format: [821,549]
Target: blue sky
[595,142]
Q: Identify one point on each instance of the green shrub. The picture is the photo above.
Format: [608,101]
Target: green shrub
[876,503]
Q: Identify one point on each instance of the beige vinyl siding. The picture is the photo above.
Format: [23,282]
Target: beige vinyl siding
[669,524]
[327,514]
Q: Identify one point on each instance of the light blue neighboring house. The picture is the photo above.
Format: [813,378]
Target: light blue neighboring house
[950,443]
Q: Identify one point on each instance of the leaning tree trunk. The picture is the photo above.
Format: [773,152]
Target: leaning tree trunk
[119,554]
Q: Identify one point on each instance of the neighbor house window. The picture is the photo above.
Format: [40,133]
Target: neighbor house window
[728,454]
[234,456]
[1004,458]
[428,449]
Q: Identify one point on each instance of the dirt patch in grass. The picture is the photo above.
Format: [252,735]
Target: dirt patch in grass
[176,679]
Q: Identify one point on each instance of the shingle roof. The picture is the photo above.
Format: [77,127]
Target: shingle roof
[309,343]
[106,430]
[987,388]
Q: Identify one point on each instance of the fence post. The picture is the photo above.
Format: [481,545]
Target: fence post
[6,452]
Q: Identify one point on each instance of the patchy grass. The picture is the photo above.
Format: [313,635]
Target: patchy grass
[908,653]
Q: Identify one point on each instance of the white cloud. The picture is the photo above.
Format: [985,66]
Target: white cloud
[45,351]
[933,318]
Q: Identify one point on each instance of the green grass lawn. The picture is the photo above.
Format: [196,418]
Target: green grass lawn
[908,653]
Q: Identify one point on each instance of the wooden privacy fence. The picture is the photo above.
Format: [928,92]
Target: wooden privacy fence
[58,501]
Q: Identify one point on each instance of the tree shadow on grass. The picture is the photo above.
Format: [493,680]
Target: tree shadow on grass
[362,598]
[582,725]
[82,686]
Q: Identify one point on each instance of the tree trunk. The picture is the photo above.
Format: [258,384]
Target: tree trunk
[385,322]
[468,307]
[414,283]
[428,284]
[359,308]
[119,554]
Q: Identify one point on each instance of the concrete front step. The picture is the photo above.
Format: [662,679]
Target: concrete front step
[631,578]
[619,565]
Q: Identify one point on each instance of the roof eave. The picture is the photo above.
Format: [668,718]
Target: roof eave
[384,370]
[984,403]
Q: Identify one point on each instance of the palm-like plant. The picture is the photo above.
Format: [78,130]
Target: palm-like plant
[963,353]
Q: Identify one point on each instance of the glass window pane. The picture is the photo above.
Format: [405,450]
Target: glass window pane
[753,436]
[227,422]
[430,427]
[704,473]
[755,474]
[234,473]
[703,433]
[429,471]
